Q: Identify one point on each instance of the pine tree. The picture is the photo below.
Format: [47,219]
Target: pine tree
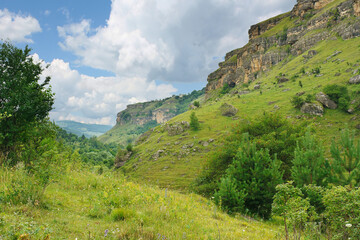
[309,163]
[194,122]
[346,160]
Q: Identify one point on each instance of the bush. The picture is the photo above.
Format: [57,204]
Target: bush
[120,214]
[129,147]
[197,104]
[194,122]
[339,94]
[225,89]
[229,198]
[297,101]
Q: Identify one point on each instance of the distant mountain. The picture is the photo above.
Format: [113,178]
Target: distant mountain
[88,130]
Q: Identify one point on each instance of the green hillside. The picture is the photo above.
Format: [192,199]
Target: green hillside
[175,161]
[88,130]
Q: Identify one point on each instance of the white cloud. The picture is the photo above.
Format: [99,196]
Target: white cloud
[89,99]
[16,27]
[169,40]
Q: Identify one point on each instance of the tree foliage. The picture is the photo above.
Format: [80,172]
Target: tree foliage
[194,122]
[23,98]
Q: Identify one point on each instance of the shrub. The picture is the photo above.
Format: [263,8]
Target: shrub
[229,197]
[194,122]
[129,147]
[339,94]
[225,89]
[297,101]
[120,214]
[197,104]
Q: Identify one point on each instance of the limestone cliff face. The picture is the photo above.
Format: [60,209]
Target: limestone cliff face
[159,111]
[266,50]
[141,113]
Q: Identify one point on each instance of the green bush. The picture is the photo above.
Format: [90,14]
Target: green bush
[225,89]
[297,101]
[229,197]
[194,122]
[197,104]
[121,214]
[339,94]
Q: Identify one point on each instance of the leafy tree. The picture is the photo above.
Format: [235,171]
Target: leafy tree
[197,104]
[289,204]
[346,160]
[24,99]
[194,122]
[309,163]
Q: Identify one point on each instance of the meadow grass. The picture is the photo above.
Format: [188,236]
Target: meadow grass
[85,205]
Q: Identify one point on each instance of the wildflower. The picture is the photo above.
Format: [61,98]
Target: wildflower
[106,232]
[349,225]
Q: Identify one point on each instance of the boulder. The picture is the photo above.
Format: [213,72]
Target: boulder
[313,109]
[355,80]
[325,100]
[177,128]
[228,110]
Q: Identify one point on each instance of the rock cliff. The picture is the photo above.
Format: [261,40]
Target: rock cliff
[293,33]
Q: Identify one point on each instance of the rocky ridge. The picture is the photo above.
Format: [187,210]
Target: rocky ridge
[298,35]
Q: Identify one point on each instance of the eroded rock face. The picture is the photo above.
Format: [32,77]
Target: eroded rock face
[245,64]
[325,100]
[355,80]
[313,109]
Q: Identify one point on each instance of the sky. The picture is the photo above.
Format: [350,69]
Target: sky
[102,55]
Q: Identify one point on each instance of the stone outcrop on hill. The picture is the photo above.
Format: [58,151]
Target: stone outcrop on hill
[325,100]
[313,109]
[245,64]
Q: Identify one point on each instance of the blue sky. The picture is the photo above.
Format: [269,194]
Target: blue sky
[104,55]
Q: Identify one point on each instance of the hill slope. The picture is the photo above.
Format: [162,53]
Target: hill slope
[297,53]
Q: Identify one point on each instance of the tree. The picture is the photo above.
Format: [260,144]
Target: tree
[23,98]
[346,160]
[255,176]
[194,122]
[309,163]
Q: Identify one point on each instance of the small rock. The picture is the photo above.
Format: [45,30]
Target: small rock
[282,80]
[257,86]
[350,110]
[356,71]
[357,126]
[325,100]
[312,53]
[271,103]
[286,90]
[211,140]
[280,86]
[337,74]
[349,70]
[276,107]
[355,80]
[205,144]
[300,94]
[243,92]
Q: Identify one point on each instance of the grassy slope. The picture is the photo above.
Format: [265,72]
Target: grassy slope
[179,172]
[80,206]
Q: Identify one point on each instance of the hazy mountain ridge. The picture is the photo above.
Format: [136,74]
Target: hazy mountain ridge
[88,130]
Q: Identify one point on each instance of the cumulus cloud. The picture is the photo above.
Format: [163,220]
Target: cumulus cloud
[169,40]
[90,99]
[16,27]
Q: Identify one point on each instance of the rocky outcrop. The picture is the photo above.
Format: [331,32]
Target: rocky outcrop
[245,64]
[355,80]
[325,100]
[313,109]
[177,128]
[228,110]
